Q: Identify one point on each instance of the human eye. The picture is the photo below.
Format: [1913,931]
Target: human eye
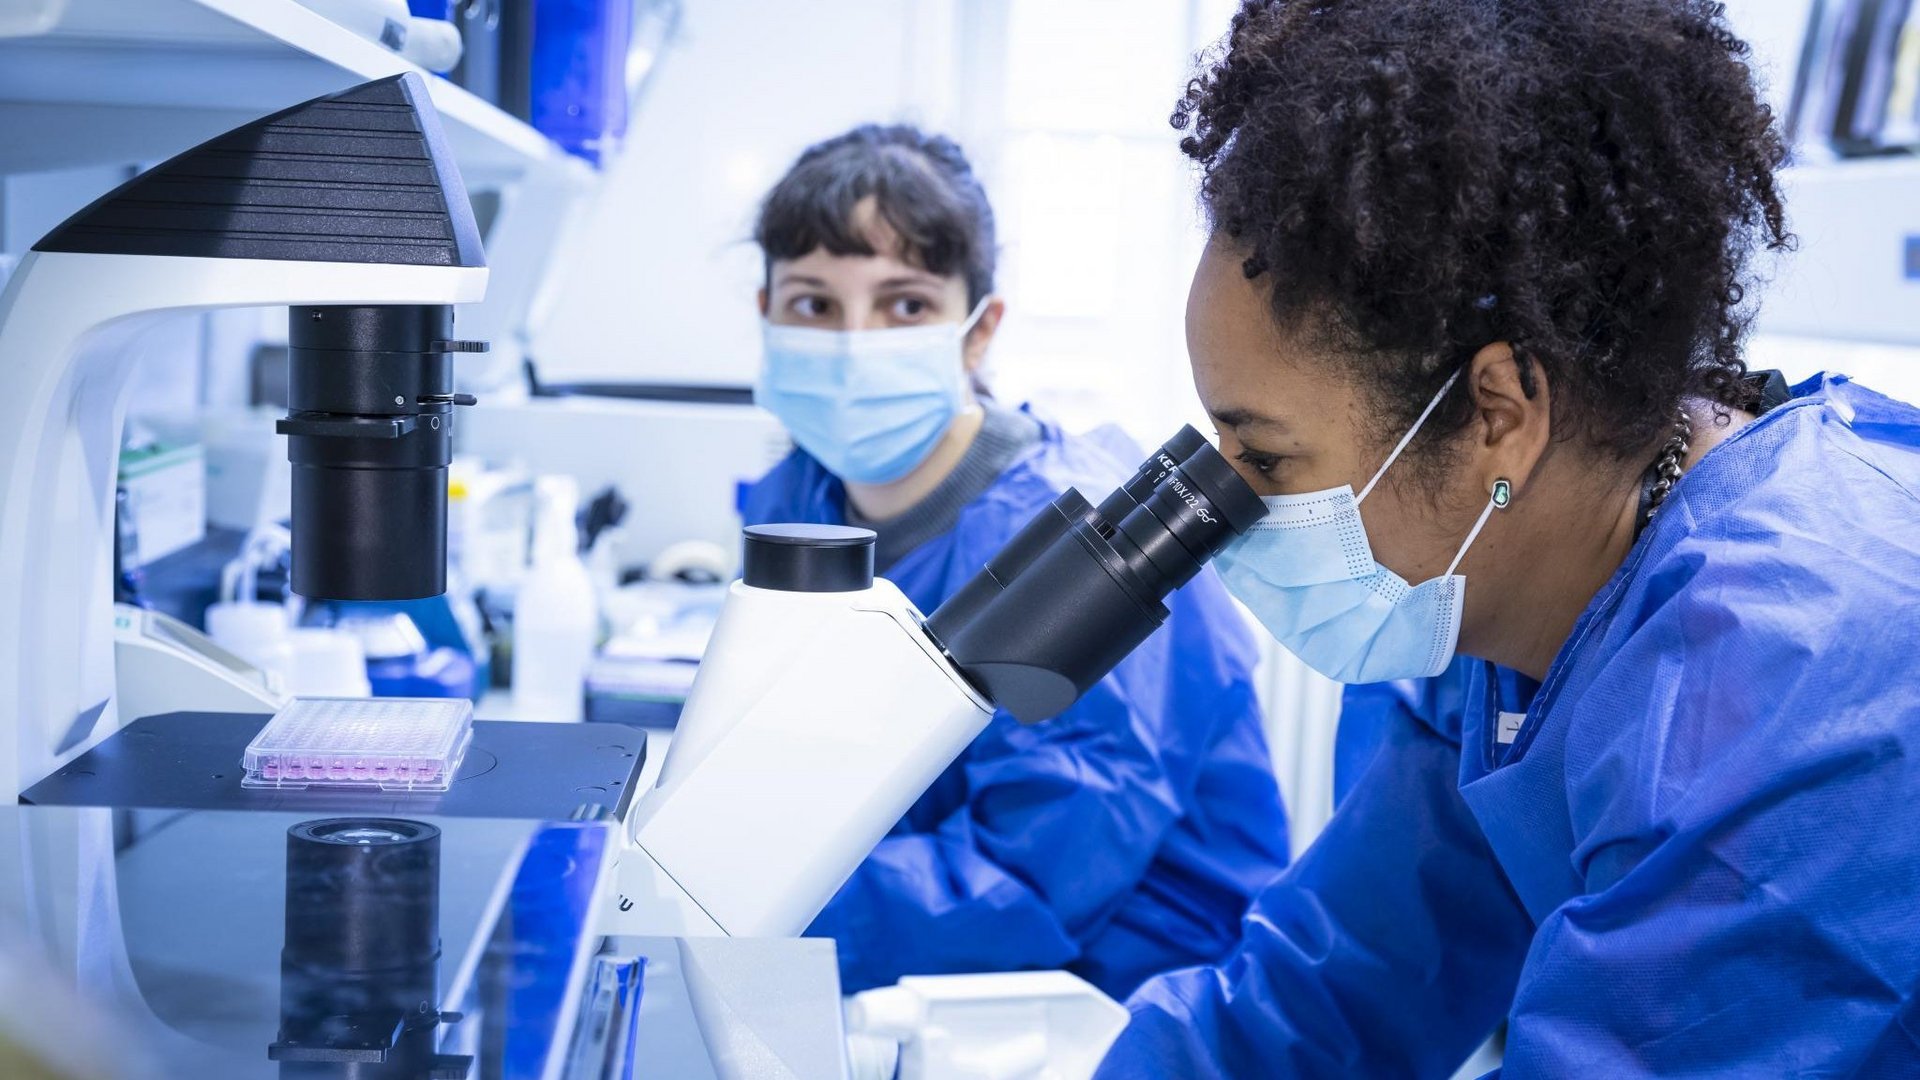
[909,308]
[810,306]
[1263,464]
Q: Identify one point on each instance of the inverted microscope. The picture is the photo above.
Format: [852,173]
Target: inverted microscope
[825,706]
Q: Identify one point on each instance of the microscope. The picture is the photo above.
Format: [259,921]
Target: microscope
[348,210]
[825,706]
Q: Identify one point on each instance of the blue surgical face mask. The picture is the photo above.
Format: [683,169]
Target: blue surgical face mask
[1308,574]
[870,405]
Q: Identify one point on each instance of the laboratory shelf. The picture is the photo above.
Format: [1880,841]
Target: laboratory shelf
[92,82]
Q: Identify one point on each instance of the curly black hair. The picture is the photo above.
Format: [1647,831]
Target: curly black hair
[922,186]
[1583,179]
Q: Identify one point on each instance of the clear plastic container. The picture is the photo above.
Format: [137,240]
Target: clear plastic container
[394,744]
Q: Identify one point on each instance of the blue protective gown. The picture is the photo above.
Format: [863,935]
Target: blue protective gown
[1119,840]
[1696,858]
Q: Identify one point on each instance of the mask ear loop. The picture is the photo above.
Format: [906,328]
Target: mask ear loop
[973,317]
[1408,437]
[1502,497]
[972,385]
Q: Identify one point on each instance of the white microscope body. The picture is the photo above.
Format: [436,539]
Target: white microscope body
[816,721]
[827,704]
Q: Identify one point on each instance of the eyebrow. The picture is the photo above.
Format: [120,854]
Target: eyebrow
[910,279]
[1239,418]
[799,279]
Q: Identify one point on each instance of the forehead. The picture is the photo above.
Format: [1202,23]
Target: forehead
[890,263]
[1248,372]
[821,267]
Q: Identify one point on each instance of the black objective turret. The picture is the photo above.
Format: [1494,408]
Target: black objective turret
[370,433]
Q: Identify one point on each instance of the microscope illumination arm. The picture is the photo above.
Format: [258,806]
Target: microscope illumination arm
[71,323]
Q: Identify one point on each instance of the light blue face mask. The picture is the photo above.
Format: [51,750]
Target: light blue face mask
[1308,574]
[870,405]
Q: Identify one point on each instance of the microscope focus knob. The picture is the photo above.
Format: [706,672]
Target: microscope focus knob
[460,346]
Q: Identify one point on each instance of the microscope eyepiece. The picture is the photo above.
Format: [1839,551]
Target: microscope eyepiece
[1079,588]
[1184,444]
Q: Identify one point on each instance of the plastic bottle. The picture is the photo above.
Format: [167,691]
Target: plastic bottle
[326,663]
[555,620]
[1021,1025]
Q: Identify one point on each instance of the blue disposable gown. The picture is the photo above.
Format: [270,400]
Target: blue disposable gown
[1696,858]
[1119,840]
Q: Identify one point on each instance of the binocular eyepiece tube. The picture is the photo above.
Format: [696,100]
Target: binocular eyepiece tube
[1080,587]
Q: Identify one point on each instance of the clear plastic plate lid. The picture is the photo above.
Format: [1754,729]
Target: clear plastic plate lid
[395,744]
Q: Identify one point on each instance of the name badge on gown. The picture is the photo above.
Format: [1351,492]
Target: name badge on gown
[1509,729]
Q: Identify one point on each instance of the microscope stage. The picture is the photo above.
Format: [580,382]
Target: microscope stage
[191,761]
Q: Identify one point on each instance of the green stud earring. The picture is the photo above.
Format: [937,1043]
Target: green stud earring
[1502,494]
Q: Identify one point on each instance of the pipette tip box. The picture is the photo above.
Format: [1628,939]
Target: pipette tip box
[394,744]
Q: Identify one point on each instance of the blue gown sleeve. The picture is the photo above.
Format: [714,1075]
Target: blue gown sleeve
[1368,709]
[1390,948]
[1056,826]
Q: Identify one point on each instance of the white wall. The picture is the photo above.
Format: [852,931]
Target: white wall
[661,286]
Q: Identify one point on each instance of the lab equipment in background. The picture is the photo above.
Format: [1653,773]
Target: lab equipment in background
[580,74]
[162,665]
[761,811]
[434,647]
[1858,94]
[249,480]
[640,447]
[322,662]
[433,43]
[127,579]
[599,523]
[482,31]
[556,620]
[1000,1026]
[253,630]
[693,562]
[239,620]
[645,671]
[394,744]
[400,662]
[489,523]
[165,508]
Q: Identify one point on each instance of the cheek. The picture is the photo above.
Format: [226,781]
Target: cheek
[1410,534]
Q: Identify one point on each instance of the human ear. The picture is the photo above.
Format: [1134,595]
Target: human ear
[1513,416]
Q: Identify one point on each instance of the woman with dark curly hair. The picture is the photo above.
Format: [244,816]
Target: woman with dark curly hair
[1484,263]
